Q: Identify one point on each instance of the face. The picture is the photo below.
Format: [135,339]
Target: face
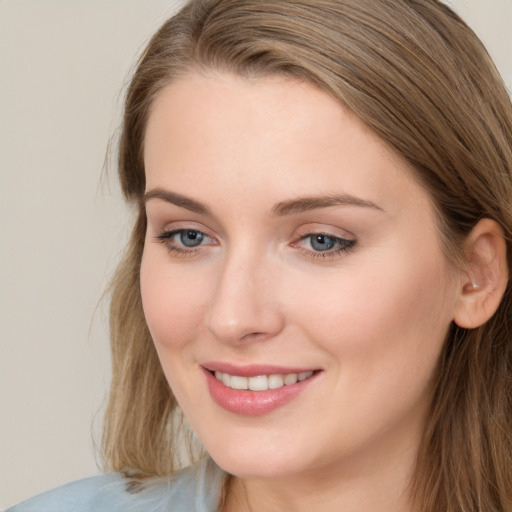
[289,251]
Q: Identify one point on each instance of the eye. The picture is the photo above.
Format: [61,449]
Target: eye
[184,241]
[190,238]
[324,245]
[322,242]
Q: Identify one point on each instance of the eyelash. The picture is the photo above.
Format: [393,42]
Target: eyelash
[344,244]
[166,239]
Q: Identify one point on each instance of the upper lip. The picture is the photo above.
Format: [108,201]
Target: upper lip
[253,370]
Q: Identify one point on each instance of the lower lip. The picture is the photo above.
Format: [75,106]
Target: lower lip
[254,403]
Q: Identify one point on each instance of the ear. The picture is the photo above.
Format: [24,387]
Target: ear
[485,279]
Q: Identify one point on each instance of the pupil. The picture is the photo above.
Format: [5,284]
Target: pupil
[322,243]
[191,238]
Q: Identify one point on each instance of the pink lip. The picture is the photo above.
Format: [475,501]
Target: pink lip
[253,403]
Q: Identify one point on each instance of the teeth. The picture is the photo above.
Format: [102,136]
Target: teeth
[261,382]
[290,379]
[305,375]
[239,382]
[275,381]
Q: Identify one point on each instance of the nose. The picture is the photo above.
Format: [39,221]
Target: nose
[244,307]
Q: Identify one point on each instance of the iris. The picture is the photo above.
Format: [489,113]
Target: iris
[322,243]
[191,238]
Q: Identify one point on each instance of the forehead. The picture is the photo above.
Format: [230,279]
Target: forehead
[225,131]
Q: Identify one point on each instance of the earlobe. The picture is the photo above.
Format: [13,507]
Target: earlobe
[485,279]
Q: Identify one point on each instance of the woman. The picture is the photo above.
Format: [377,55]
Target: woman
[318,276]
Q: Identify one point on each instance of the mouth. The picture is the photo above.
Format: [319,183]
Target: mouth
[260,391]
[261,382]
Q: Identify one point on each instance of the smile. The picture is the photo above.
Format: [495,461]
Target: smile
[262,389]
[261,382]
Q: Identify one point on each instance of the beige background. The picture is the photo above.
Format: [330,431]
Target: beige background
[62,68]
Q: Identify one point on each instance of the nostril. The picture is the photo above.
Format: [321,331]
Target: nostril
[254,336]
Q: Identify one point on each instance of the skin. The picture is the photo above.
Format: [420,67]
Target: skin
[373,319]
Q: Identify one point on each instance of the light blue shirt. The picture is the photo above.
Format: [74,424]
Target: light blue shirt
[195,489]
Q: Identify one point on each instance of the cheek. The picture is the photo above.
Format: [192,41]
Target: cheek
[174,302]
[383,331]
[390,318]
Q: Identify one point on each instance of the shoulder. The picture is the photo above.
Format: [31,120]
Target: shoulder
[95,493]
[193,489]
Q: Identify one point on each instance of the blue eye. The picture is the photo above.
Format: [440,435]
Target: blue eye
[322,242]
[325,245]
[183,242]
[191,238]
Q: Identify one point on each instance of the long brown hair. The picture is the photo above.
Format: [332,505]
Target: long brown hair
[417,76]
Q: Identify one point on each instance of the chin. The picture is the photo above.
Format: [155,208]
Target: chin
[256,466]
[257,456]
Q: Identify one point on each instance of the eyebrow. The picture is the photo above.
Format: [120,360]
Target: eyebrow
[305,204]
[289,207]
[176,199]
